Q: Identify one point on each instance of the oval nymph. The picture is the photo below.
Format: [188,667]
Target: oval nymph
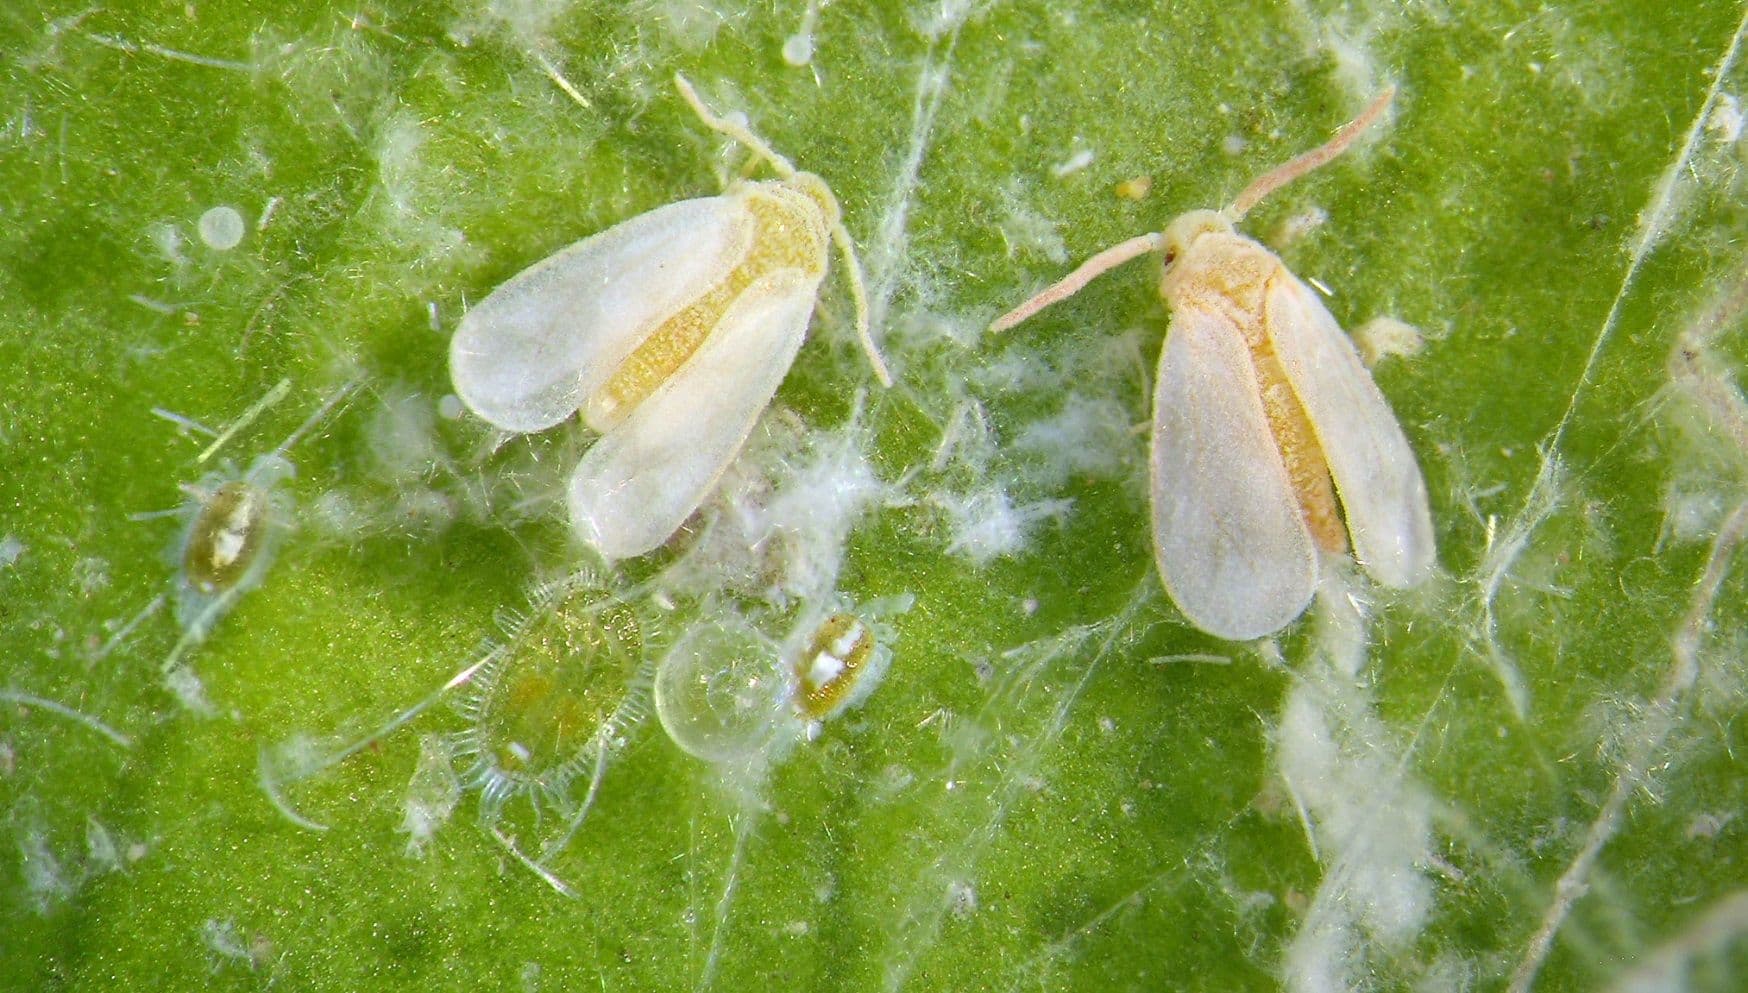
[553,700]
[234,523]
[1271,444]
[669,333]
[548,703]
[840,665]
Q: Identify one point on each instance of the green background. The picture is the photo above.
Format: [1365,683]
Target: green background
[1059,784]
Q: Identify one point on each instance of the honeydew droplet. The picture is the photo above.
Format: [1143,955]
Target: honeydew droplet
[221,228]
[798,49]
[722,692]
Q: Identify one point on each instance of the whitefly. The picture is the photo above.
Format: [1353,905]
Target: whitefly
[668,334]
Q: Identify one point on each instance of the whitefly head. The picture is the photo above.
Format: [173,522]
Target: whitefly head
[815,189]
[1181,235]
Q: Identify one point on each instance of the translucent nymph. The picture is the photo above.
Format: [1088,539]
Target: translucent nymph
[551,701]
[546,707]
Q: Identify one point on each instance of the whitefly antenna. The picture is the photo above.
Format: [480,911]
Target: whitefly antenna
[846,246]
[1253,194]
[859,295]
[1089,270]
[1318,157]
[733,130]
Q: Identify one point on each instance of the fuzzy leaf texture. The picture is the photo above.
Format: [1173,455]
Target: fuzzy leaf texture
[1522,775]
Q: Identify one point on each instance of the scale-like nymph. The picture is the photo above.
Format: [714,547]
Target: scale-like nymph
[233,523]
[1263,415]
[669,333]
[839,666]
[552,702]
[547,705]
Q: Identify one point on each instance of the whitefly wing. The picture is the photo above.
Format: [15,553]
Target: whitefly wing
[1233,548]
[1382,493]
[639,483]
[529,354]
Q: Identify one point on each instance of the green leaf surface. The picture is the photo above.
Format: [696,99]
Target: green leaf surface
[1520,775]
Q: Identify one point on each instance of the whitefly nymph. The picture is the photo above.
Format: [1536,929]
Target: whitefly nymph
[547,705]
[233,523]
[551,703]
[839,654]
[840,664]
[668,333]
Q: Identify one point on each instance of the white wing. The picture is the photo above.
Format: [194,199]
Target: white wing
[529,354]
[1382,493]
[641,481]
[1233,548]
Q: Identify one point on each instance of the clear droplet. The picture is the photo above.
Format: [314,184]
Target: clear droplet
[723,691]
[221,228]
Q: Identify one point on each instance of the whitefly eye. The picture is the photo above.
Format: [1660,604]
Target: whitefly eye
[722,691]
